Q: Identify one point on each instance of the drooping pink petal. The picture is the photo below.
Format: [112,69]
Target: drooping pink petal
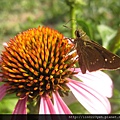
[3,89]
[5,44]
[46,106]
[70,53]
[21,106]
[98,80]
[60,106]
[1,75]
[92,100]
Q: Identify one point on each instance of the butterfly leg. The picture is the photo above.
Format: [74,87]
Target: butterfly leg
[71,40]
[75,60]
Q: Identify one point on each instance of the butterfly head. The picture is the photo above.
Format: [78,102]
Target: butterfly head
[80,33]
[77,33]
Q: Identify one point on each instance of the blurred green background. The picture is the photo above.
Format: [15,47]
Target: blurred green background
[100,19]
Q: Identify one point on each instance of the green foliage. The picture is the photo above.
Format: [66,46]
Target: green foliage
[7,105]
[77,108]
[107,34]
[115,42]
[84,25]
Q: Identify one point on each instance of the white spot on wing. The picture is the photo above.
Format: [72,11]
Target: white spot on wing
[106,60]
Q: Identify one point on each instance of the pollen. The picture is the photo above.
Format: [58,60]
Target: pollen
[36,62]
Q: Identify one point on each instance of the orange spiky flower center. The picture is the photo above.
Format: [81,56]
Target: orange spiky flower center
[36,62]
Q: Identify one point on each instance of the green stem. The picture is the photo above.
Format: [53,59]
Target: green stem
[73,21]
[33,108]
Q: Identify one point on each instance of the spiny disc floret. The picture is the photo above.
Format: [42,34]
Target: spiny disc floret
[36,62]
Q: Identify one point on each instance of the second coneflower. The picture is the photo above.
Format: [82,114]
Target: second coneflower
[37,65]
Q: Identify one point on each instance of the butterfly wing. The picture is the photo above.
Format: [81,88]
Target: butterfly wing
[96,57]
[82,64]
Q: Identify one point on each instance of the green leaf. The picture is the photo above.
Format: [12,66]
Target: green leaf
[84,25]
[77,108]
[114,45]
[7,105]
[106,33]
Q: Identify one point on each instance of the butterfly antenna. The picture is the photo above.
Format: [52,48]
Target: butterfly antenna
[65,25]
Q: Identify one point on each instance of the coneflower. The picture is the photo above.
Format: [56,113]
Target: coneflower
[37,65]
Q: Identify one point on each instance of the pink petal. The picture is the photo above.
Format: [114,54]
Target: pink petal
[92,100]
[60,106]
[5,44]
[46,106]
[98,80]
[1,77]
[3,89]
[70,53]
[21,106]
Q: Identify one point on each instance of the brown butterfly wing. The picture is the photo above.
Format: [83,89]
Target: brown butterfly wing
[95,57]
[92,59]
[111,60]
[82,64]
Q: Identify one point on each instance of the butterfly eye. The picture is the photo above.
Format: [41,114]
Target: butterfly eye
[77,33]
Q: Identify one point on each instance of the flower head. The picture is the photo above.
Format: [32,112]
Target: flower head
[36,65]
